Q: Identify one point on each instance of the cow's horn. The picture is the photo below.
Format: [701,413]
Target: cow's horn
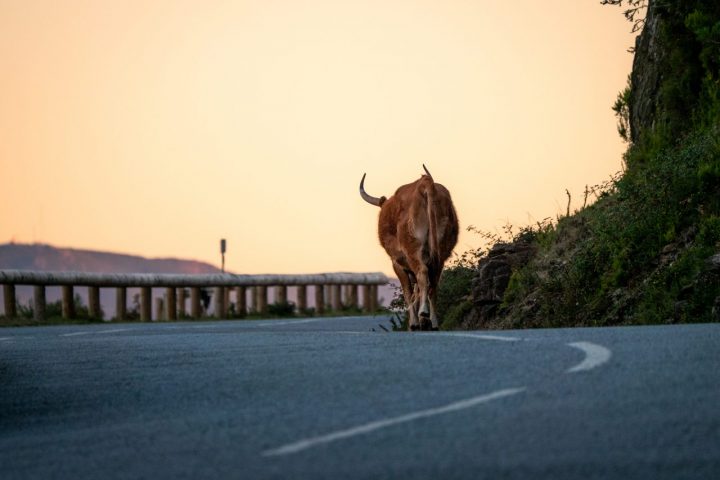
[369,198]
[426,171]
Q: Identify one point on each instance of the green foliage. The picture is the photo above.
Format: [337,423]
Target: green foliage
[706,28]
[453,290]
[621,107]
[53,314]
[633,12]
[281,309]
[689,89]
[637,254]
[132,313]
[399,322]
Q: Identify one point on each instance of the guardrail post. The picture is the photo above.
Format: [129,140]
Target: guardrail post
[159,309]
[255,297]
[262,298]
[366,298]
[145,304]
[220,302]
[9,300]
[39,303]
[241,301]
[319,299]
[195,310]
[94,302]
[336,299]
[252,308]
[281,294]
[68,302]
[171,303]
[328,297]
[353,296]
[345,295]
[302,298]
[181,300]
[373,298]
[120,303]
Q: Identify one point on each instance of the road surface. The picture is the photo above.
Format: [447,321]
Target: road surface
[341,398]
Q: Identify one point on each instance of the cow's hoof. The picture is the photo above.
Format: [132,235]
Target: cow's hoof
[434,329]
[414,328]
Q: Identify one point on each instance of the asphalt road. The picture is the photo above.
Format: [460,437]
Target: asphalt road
[331,398]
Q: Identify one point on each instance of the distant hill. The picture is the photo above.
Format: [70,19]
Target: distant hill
[20,256]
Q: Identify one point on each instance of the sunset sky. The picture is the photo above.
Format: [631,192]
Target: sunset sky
[157,127]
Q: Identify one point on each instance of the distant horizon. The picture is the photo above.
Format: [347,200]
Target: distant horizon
[94,250]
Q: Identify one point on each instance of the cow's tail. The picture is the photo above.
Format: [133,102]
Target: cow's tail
[433,241]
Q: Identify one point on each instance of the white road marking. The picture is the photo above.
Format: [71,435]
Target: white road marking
[116,330]
[278,323]
[99,332]
[484,337]
[377,425]
[595,355]
[74,334]
[3,339]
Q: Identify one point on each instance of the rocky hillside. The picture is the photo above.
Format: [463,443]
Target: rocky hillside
[648,250]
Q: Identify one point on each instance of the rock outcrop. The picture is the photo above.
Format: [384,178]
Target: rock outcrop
[646,76]
[492,278]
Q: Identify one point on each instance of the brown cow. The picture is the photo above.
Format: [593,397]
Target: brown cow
[418,228]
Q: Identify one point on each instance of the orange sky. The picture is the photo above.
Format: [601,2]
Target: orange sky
[156,127]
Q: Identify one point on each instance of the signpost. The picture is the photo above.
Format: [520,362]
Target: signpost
[223,249]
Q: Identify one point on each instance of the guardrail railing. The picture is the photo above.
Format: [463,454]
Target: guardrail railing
[333,291]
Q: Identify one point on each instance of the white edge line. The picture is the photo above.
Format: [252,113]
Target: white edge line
[74,334]
[99,332]
[278,323]
[595,355]
[115,330]
[483,337]
[377,425]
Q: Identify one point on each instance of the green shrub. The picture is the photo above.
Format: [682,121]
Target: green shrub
[281,309]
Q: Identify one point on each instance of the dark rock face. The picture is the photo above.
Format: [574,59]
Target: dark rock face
[492,278]
[646,75]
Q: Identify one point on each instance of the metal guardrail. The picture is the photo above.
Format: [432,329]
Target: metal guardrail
[176,284]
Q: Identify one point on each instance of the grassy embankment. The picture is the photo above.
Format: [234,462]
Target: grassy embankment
[642,252]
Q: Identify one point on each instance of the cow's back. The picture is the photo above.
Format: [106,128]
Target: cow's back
[403,224]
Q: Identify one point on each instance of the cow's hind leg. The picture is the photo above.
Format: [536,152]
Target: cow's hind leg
[408,288]
[421,295]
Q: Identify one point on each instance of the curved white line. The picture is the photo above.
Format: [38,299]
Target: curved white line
[372,426]
[595,355]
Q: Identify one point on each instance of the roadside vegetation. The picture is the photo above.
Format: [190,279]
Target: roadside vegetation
[644,247]
[53,312]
